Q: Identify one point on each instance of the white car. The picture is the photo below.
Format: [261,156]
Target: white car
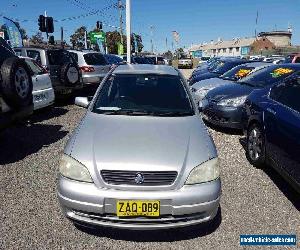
[43,92]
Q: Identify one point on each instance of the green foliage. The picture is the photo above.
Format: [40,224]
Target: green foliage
[37,38]
[77,39]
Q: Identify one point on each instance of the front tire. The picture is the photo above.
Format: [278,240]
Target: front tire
[255,150]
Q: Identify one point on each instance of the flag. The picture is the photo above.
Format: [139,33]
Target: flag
[14,35]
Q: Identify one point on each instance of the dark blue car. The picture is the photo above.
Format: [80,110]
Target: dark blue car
[216,69]
[272,125]
[222,106]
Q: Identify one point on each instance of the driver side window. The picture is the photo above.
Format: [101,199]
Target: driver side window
[287,93]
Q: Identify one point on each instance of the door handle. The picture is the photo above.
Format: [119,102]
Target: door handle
[272,111]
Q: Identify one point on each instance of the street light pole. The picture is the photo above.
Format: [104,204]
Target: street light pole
[128,30]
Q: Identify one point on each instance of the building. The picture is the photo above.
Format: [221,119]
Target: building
[279,38]
[243,46]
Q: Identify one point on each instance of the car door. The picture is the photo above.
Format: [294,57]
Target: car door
[282,126]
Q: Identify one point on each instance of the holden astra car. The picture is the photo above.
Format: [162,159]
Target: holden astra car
[43,93]
[222,106]
[272,126]
[218,69]
[200,89]
[141,157]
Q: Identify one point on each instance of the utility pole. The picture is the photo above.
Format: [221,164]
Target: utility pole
[85,39]
[62,37]
[46,23]
[128,30]
[151,33]
[121,7]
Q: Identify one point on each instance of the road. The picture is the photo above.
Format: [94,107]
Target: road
[254,201]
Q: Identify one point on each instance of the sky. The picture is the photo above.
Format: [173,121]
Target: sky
[196,21]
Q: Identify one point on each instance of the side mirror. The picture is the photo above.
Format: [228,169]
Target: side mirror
[82,102]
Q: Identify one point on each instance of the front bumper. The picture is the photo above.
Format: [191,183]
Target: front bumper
[226,117]
[190,205]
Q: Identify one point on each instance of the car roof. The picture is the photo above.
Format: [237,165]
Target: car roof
[146,69]
[256,64]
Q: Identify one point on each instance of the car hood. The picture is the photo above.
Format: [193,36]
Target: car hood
[229,91]
[210,83]
[140,143]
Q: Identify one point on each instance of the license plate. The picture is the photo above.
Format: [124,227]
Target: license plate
[40,97]
[127,208]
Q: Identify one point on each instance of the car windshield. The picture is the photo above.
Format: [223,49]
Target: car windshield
[267,76]
[222,67]
[237,73]
[59,57]
[143,94]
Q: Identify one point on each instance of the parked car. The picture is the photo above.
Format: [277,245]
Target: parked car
[203,68]
[63,69]
[201,88]
[43,92]
[141,158]
[15,87]
[185,62]
[93,65]
[223,105]
[218,68]
[272,125]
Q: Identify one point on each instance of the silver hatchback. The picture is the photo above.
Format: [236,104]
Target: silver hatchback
[93,65]
[141,157]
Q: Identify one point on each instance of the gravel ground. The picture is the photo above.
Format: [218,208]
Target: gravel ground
[254,201]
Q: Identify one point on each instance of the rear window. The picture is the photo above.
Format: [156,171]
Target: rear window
[59,57]
[94,59]
[35,55]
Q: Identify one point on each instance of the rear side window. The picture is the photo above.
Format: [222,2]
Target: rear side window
[297,59]
[35,55]
[59,57]
[288,94]
[94,59]
[75,56]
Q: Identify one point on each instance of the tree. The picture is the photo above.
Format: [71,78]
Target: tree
[22,31]
[112,40]
[37,38]
[168,54]
[77,39]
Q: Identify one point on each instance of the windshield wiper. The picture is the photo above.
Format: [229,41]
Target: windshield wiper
[123,112]
[175,113]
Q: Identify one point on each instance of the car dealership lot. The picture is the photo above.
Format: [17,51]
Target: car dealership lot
[253,201]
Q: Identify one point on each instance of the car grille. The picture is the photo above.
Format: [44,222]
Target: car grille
[149,178]
[163,219]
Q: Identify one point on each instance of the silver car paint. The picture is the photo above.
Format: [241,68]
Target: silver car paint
[140,143]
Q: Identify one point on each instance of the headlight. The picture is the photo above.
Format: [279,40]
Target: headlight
[73,169]
[207,171]
[233,102]
[202,92]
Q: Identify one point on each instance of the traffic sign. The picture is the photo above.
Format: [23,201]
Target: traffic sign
[94,36]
